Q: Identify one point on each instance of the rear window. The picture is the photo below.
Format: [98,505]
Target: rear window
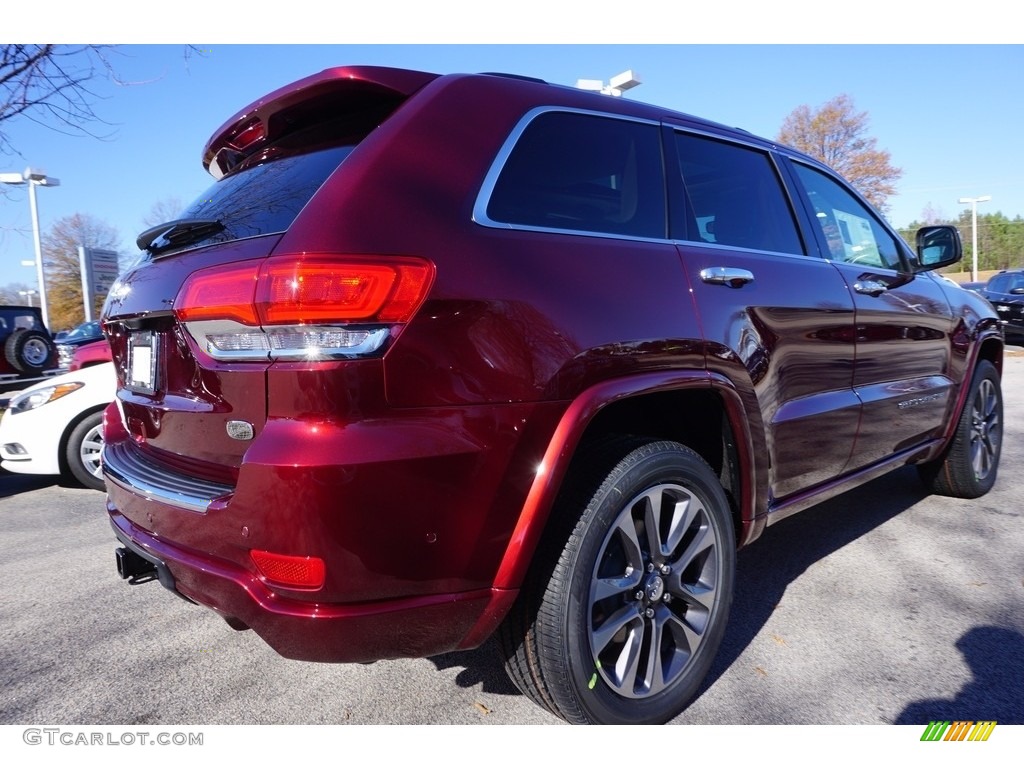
[13,320]
[263,199]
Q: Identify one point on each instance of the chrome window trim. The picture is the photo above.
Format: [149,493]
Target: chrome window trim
[744,249]
[498,165]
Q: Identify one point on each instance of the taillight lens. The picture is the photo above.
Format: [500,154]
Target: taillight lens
[302,307]
[221,293]
[325,291]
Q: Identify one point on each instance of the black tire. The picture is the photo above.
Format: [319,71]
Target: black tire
[969,466]
[82,452]
[599,600]
[28,351]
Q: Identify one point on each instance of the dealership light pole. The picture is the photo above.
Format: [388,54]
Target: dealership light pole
[621,82]
[29,294]
[974,229]
[34,179]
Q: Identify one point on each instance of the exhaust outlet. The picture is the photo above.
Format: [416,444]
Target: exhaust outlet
[136,569]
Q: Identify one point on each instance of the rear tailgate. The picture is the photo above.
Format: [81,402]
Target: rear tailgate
[185,410]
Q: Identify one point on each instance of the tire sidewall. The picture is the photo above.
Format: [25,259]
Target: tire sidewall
[14,350]
[73,451]
[641,470]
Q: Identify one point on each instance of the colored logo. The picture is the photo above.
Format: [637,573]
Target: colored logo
[959,730]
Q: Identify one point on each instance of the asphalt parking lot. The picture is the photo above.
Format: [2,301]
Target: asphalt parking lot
[882,606]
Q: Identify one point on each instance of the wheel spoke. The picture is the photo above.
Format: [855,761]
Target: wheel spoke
[654,677]
[617,585]
[651,502]
[604,634]
[701,543]
[700,594]
[629,539]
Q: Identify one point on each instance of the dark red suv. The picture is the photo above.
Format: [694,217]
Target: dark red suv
[439,357]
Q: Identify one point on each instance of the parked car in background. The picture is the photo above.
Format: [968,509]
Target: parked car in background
[93,353]
[26,350]
[439,358]
[55,427]
[1005,291]
[84,333]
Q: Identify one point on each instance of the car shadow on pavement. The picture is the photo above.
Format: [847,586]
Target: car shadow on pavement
[12,484]
[481,666]
[785,550]
[995,656]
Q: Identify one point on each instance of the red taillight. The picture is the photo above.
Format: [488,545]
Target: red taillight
[288,290]
[248,135]
[221,293]
[290,570]
[318,291]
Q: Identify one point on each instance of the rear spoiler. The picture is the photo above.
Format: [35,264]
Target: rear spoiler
[304,103]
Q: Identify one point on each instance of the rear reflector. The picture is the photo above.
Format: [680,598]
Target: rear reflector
[289,570]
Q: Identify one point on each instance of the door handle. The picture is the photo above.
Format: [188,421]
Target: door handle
[870,287]
[734,278]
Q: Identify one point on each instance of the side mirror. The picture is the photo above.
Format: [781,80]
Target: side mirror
[938,247]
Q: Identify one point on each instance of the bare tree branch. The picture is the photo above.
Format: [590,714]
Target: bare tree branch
[50,85]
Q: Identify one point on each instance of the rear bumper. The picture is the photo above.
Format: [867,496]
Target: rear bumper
[411,517]
[311,631]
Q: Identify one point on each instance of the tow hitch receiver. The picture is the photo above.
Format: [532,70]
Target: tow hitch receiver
[138,570]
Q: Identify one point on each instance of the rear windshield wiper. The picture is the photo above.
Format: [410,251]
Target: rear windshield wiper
[174,234]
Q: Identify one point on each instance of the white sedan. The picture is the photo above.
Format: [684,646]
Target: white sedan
[56,428]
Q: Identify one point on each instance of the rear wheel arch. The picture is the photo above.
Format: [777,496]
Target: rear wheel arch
[696,412]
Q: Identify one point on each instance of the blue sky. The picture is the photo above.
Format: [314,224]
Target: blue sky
[948,114]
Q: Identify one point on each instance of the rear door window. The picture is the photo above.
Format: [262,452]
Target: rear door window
[583,172]
[734,196]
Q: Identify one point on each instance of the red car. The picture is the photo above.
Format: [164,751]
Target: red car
[93,353]
[439,357]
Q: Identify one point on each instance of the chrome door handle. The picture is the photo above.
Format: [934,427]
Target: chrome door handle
[734,278]
[870,287]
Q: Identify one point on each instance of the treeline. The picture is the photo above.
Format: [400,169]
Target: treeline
[1000,240]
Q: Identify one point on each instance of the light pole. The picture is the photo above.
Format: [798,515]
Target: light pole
[34,179]
[974,229]
[29,294]
[621,82]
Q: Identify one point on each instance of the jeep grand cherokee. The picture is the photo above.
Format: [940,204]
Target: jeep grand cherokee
[439,357]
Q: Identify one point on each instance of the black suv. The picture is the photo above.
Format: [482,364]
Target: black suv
[27,348]
[1006,293]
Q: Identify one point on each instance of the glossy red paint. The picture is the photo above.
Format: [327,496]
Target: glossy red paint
[424,474]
